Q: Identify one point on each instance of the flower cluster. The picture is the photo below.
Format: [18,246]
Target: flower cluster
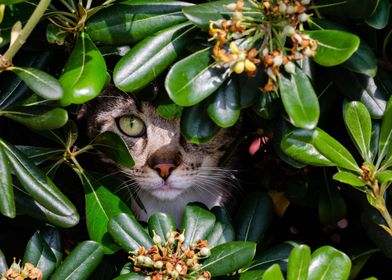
[25,272]
[257,35]
[172,260]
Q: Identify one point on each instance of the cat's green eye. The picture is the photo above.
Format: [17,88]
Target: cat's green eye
[131,126]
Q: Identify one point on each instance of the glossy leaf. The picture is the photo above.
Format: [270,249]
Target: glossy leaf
[224,105]
[298,264]
[39,186]
[329,263]
[27,205]
[53,239]
[359,260]
[128,233]
[253,217]
[334,47]
[12,89]
[384,176]
[193,79]
[150,57]
[376,127]
[348,178]
[252,275]
[299,100]
[131,21]
[229,257]
[7,202]
[114,147]
[359,126]
[266,105]
[38,155]
[39,117]
[40,82]
[3,262]
[101,206]
[82,261]
[40,255]
[203,13]
[196,125]
[380,16]
[166,108]
[131,276]
[385,142]
[161,224]
[352,9]
[84,75]
[221,233]
[197,223]
[273,273]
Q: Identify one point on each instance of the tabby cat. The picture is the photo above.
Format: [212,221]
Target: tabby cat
[169,172]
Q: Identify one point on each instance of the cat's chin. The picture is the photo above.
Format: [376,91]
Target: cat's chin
[166,192]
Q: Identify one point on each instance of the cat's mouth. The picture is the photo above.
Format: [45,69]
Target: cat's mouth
[166,190]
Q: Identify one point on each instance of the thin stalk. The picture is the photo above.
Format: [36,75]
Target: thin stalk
[35,17]
[69,7]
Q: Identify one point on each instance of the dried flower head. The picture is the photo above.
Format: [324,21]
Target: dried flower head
[25,272]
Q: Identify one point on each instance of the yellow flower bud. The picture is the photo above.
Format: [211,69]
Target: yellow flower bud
[234,48]
[250,66]
[239,67]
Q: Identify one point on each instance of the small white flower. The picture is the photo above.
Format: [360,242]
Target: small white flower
[303,17]
[278,60]
[290,67]
[288,30]
[305,2]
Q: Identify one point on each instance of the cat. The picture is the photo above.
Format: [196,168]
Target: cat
[169,172]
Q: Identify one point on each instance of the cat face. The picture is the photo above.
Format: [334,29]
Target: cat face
[168,169]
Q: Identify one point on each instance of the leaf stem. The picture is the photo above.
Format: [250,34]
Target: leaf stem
[6,59]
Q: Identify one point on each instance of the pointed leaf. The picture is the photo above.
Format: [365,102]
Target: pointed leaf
[37,183]
[380,17]
[299,100]
[40,82]
[197,223]
[348,178]
[229,257]
[253,217]
[299,261]
[334,47]
[161,224]
[196,125]
[40,255]
[385,142]
[39,117]
[359,260]
[101,205]
[384,176]
[132,20]
[128,233]
[193,79]
[273,273]
[150,57]
[329,263]
[82,261]
[224,105]
[114,147]
[7,202]
[359,126]
[84,75]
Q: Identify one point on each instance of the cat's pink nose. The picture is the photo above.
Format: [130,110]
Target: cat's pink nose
[164,169]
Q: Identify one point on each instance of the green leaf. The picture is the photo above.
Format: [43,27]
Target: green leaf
[101,206]
[39,186]
[40,255]
[252,275]
[196,125]
[27,205]
[193,79]
[161,224]
[221,233]
[166,108]
[150,57]
[224,105]
[352,9]
[329,263]
[202,14]
[128,233]
[273,273]
[359,126]
[385,142]
[131,21]
[299,100]
[197,223]
[39,117]
[3,262]
[384,176]
[298,145]
[348,178]
[299,261]
[55,34]
[114,147]
[38,155]
[53,239]
[334,47]
[266,105]
[7,202]
[82,261]
[40,82]
[359,260]
[229,257]
[380,17]
[253,217]
[249,87]
[12,89]
[131,276]
[84,75]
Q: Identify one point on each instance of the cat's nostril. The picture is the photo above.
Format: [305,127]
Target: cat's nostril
[164,169]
